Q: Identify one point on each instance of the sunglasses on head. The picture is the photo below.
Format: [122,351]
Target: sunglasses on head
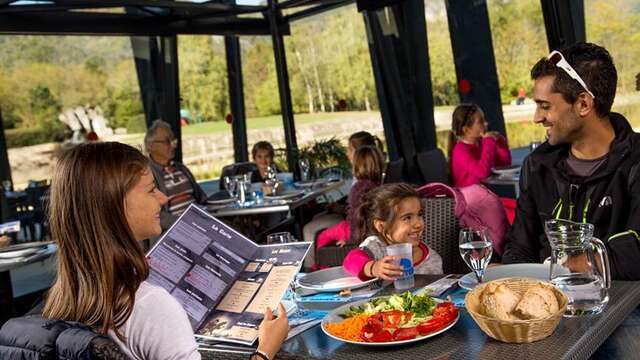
[558,60]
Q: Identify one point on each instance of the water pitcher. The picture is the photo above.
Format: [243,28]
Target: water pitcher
[579,266]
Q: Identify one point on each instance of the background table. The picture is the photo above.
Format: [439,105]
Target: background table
[575,338]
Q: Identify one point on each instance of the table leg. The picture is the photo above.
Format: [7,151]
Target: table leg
[6,297]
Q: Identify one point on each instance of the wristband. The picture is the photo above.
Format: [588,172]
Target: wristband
[261,354]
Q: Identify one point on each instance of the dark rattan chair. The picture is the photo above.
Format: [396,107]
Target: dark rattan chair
[330,256]
[441,233]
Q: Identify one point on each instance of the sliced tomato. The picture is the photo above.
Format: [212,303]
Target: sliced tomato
[445,311]
[405,333]
[374,324]
[380,336]
[392,319]
[430,326]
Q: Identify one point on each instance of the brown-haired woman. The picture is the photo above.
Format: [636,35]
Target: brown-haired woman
[103,203]
[368,167]
[390,214]
[474,151]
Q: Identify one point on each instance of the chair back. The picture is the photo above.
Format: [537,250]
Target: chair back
[394,172]
[433,166]
[236,169]
[441,233]
[331,255]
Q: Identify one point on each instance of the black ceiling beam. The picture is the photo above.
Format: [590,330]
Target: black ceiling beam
[73,23]
[316,10]
[175,9]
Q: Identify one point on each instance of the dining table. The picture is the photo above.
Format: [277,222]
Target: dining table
[574,338]
[8,264]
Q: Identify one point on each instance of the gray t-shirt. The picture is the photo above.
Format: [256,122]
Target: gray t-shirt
[158,328]
[584,168]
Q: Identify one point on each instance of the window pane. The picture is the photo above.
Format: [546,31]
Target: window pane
[90,83]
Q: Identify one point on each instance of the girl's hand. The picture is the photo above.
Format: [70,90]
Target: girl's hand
[386,268]
[341,243]
[272,332]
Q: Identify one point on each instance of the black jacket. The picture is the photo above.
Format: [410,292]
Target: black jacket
[609,199]
[36,338]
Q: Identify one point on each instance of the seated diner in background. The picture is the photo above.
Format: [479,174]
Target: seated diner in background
[262,154]
[587,170]
[473,150]
[368,167]
[100,245]
[172,177]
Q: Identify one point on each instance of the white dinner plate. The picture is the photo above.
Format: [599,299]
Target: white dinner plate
[332,280]
[535,271]
[220,201]
[507,170]
[334,317]
[285,195]
[20,253]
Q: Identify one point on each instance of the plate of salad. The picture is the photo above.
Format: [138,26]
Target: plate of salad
[390,320]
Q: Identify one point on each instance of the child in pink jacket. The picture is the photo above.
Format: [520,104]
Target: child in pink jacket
[368,165]
[473,150]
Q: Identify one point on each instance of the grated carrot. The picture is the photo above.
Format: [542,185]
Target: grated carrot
[348,329]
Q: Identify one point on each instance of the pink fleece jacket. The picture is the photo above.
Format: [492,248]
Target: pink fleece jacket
[357,258]
[470,164]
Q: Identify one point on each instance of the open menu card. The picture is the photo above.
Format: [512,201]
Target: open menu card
[223,280]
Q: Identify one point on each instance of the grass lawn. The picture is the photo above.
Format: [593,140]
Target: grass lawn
[275,121]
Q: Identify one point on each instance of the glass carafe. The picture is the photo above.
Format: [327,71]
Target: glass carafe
[579,266]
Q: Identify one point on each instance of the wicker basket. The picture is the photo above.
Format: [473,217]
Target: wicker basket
[515,331]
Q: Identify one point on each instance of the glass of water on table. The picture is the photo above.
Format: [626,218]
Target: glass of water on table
[475,249]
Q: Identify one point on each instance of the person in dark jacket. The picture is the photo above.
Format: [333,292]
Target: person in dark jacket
[587,169]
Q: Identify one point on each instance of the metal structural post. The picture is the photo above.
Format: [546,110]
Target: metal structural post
[472,45]
[236,98]
[564,22]
[286,106]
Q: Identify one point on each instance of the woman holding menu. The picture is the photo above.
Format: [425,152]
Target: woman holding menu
[103,203]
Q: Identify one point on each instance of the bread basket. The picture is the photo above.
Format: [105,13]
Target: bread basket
[515,331]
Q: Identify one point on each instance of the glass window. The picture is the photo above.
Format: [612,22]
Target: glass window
[55,91]
[207,141]
[620,35]
[332,84]
[519,41]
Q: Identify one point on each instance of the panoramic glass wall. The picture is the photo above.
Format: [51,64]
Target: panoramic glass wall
[332,83]
[207,139]
[519,41]
[54,90]
[620,34]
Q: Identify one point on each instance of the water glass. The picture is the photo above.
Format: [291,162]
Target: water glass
[272,179]
[475,249]
[404,254]
[304,169]
[279,238]
[230,185]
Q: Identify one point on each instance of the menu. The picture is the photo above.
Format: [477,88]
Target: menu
[223,280]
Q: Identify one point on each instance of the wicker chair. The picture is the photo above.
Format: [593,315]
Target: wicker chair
[441,233]
[330,256]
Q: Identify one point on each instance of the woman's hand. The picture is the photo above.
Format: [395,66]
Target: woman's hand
[386,268]
[273,331]
[341,243]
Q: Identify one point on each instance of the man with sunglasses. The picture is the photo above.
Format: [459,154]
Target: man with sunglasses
[172,178]
[587,170]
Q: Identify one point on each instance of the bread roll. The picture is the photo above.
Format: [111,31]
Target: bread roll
[537,302]
[499,301]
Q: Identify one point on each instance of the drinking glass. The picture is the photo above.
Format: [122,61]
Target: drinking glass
[475,249]
[304,169]
[279,238]
[272,178]
[230,186]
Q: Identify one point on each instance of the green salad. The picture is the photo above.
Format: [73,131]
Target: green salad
[420,305]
